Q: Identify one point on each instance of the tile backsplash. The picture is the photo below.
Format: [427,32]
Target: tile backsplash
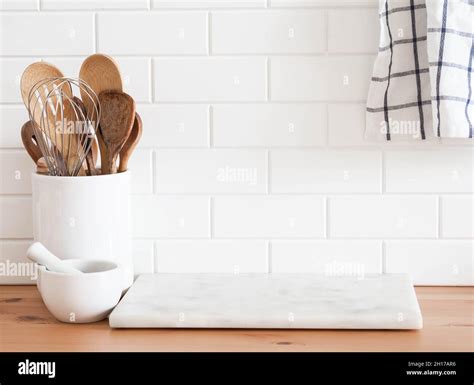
[253,156]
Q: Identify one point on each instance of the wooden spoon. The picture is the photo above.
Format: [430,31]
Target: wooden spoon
[116,122]
[101,73]
[131,143]
[29,141]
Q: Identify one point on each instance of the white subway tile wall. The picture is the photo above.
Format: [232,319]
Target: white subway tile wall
[253,157]
[211,256]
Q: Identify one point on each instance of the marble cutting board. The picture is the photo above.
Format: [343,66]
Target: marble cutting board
[280,301]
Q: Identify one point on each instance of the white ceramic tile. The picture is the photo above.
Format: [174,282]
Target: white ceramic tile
[437,170]
[224,79]
[54,33]
[15,172]
[274,32]
[136,76]
[211,257]
[18,5]
[353,30]
[152,33]
[331,258]
[457,216]
[349,77]
[268,217]
[211,171]
[346,125]
[208,3]
[432,262]
[143,260]
[12,119]
[322,171]
[457,141]
[10,77]
[267,125]
[320,3]
[170,216]
[379,216]
[141,167]
[169,125]
[69,66]
[16,219]
[93,4]
[333,78]
[15,268]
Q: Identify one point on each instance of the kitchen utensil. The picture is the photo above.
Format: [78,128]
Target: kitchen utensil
[85,217]
[88,297]
[32,147]
[131,143]
[45,96]
[42,256]
[29,141]
[41,166]
[91,156]
[116,121]
[35,73]
[65,139]
[101,73]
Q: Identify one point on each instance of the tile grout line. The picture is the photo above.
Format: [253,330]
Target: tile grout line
[262,193]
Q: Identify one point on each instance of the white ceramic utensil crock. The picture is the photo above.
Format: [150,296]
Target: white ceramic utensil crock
[81,298]
[85,217]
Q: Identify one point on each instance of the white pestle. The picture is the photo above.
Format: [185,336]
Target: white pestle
[42,256]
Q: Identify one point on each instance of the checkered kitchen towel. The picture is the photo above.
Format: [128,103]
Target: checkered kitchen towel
[422,79]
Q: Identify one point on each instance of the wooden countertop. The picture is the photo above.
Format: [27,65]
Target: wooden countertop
[26,325]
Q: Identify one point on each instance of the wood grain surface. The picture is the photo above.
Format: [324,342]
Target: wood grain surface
[26,325]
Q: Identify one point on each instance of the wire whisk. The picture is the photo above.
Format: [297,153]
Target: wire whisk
[64,129]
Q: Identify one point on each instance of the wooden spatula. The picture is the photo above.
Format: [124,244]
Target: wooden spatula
[131,143]
[116,121]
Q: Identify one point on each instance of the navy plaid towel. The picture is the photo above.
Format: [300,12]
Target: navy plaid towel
[422,79]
